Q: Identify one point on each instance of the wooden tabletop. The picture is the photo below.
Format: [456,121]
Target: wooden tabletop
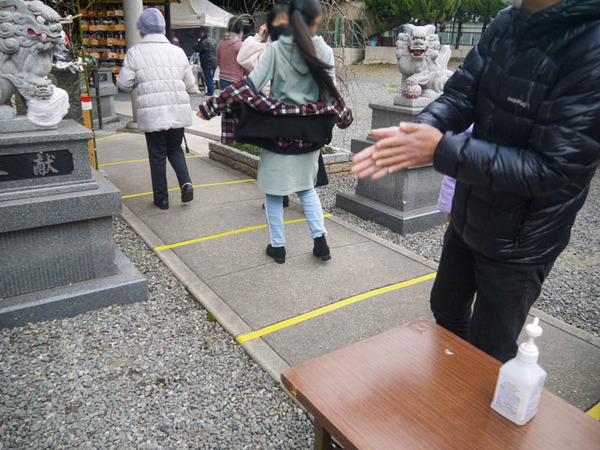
[419,386]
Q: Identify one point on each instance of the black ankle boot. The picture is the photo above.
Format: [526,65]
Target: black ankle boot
[187,193]
[277,253]
[321,249]
[162,204]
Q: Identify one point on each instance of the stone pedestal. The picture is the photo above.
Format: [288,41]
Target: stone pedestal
[58,254]
[108,92]
[405,201]
[72,83]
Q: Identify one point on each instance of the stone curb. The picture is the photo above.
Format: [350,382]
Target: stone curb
[257,349]
[566,328]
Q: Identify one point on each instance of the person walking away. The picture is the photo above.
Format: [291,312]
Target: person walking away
[207,49]
[254,47]
[161,73]
[227,52]
[300,69]
[532,88]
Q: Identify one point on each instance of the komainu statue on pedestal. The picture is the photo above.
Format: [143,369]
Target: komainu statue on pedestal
[30,31]
[423,63]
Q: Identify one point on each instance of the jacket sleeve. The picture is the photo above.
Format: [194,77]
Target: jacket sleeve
[330,59]
[188,76]
[564,142]
[219,56]
[126,78]
[263,73]
[253,48]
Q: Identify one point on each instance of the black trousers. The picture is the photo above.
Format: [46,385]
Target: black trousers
[505,293]
[162,145]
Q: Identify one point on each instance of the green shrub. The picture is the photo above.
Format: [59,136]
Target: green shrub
[248,148]
[254,150]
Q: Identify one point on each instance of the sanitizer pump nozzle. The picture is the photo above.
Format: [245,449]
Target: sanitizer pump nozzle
[521,381]
[528,351]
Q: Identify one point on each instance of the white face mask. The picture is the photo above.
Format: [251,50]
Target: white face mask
[514,3]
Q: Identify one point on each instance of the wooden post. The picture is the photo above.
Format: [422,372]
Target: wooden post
[322,437]
[86,109]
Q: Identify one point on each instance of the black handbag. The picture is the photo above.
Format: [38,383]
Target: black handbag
[265,130]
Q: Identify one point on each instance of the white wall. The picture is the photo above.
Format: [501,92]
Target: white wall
[387,55]
[348,56]
[378,55]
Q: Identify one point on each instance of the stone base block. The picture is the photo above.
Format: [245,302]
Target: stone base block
[421,102]
[391,115]
[43,159]
[402,222]
[21,124]
[126,286]
[46,257]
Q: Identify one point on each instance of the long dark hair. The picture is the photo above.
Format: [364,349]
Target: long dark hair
[235,25]
[303,14]
[273,13]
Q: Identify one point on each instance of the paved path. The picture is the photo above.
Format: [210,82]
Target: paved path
[286,314]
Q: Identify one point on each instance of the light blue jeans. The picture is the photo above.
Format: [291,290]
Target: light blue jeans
[312,211]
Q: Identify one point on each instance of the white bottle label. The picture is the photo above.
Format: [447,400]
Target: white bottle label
[508,399]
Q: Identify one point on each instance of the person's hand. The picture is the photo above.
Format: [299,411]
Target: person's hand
[199,114]
[262,31]
[410,144]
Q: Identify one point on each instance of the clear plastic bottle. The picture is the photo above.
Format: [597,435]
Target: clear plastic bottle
[521,381]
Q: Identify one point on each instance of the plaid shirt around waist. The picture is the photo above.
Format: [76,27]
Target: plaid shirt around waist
[228,104]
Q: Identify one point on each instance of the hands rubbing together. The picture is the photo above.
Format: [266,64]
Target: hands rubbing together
[409,145]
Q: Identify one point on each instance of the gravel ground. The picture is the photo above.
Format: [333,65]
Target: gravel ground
[157,374]
[571,292]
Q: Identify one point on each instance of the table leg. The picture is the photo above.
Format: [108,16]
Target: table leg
[322,437]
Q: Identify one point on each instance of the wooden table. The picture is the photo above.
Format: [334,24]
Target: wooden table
[419,386]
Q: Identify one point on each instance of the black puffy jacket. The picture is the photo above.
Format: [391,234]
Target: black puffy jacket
[207,48]
[532,88]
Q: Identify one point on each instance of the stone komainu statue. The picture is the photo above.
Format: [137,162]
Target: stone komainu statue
[29,33]
[422,61]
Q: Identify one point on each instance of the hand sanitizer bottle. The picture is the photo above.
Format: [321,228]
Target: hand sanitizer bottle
[521,380]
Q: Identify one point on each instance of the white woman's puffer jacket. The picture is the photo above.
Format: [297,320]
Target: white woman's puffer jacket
[161,73]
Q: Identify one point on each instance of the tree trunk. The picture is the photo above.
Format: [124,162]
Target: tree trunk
[458,35]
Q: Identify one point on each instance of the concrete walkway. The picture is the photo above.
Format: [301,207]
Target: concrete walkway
[286,314]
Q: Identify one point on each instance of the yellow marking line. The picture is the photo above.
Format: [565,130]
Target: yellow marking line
[227,233]
[595,411]
[140,160]
[110,136]
[195,185]
[326,309]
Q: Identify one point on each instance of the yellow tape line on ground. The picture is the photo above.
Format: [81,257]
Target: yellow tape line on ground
[112,135]
[227,233]
[195,185]
[139,160]
[595,411]
[325,309]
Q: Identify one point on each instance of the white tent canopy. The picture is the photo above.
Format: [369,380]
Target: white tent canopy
[195,13]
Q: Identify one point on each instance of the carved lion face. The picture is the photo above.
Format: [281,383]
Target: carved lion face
[419,39]
[30,22]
